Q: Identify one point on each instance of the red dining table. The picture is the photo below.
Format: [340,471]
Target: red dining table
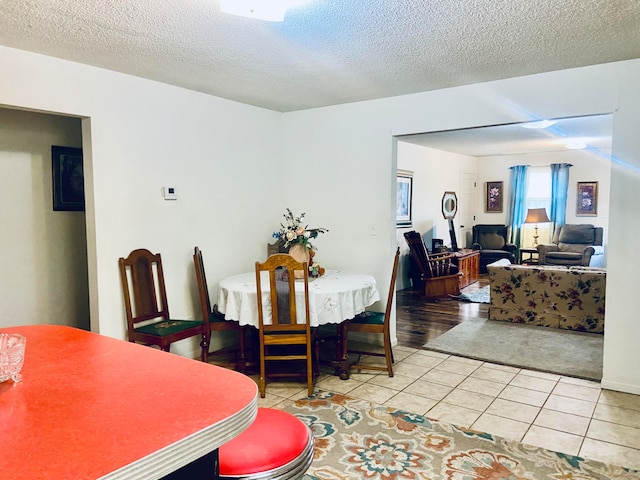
[94,407]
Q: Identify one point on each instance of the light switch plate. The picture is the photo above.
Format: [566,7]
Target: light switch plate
[169,193]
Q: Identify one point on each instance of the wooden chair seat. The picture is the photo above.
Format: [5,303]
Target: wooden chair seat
[377,322]
[146,307]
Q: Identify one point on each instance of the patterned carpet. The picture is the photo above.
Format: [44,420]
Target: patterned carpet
[356,439]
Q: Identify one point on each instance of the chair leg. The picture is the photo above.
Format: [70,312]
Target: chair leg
[388,355]
[309,375]
[263,379]
[204,345]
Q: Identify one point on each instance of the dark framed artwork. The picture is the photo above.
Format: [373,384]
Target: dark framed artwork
[68,179]
[587,199]
[404,198]
[494,197]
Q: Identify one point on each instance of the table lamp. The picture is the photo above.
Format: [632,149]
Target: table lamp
[536,215]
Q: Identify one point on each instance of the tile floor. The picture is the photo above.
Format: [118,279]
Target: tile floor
[559,413]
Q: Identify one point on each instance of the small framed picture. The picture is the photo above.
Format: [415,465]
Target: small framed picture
[404,193]
[494,197]
[68,179]
[587,199]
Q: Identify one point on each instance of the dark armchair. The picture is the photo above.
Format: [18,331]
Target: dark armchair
[492,242]
[574,245]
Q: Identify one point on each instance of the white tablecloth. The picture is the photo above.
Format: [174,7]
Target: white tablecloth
[334,297]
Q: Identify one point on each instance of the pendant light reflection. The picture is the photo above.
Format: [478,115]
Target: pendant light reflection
[268,10]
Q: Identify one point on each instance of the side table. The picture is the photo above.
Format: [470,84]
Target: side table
[468,262]
[530,260]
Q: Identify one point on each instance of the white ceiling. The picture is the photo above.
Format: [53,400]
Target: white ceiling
[593,131]
[330,51]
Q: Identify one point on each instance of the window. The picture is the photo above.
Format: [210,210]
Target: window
[538,196]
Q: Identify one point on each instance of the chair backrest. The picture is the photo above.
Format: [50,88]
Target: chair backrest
[145,295]
[283,304]
[418,253]
[201,280]
[580,234]
[392,287]
[489,236]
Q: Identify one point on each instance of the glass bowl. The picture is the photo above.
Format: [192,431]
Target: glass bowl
[12,348]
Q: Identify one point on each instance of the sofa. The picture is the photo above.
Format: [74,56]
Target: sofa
[571,298]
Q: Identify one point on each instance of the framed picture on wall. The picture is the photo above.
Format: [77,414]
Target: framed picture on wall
[587,199]
[68,179]
[404,198]
[494,196]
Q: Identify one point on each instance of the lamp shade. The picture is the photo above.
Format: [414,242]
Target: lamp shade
[537,215]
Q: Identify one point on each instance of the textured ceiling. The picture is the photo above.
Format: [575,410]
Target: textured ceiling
[330,51]
[594,132]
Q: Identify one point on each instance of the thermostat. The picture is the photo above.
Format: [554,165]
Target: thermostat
[169,193]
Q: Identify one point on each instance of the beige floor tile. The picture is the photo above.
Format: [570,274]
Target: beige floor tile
[424,361]
[489,372]
[580,381]
[619,415]
[469,361]
[580,392]
[410,370]
[454,365]
[334,384]
[426,389]
[610,453]
[443,377]
[397,382]
[463,417]
[503,427]
[479,385]
[471,400]
[513,410]
[614,433]
[570,405]
[553,440]
[524,395]
[411,403]
[504,368]
[533,383]
[620,399]
[372,393]
[270,400]
[431,353]
[287,389]
[399,355]
[547,376]
[564,422]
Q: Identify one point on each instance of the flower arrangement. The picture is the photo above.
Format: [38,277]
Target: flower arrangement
[293,231]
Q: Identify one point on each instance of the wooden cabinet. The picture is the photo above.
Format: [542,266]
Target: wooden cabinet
[468,262]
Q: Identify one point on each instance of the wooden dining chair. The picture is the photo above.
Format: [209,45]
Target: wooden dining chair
[281,337]
[377,322]
[145,301]
[216,321]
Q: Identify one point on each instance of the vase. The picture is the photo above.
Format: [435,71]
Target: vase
[301,254]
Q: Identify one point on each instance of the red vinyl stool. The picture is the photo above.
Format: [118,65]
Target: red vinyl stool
[277,445]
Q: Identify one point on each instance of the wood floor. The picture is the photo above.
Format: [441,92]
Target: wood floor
[419,321]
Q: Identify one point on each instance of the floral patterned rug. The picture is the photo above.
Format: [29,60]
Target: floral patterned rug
[356,439]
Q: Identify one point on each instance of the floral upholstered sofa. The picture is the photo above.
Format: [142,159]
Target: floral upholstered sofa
[570,298]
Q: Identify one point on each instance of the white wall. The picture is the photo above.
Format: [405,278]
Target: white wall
[237,167]
[587,166]
[434,172]
[43,253]
[139,135]
[354,144]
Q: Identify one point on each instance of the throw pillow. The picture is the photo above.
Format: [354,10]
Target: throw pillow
[491,241]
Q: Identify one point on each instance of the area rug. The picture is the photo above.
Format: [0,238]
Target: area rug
[477,296]
[356,439]
[553,350]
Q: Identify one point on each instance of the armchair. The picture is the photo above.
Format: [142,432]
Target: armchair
[491,241]
[435,273]
[574,245]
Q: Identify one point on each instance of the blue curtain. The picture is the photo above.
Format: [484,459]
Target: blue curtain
[559,188]
[517,202]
